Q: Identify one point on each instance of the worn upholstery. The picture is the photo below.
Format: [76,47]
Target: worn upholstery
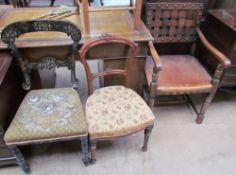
[115,111]
[48,114]
[180,74]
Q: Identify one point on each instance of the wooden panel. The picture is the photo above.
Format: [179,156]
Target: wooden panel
[11,95]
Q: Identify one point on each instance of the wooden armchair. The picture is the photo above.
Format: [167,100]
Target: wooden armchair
[181,74]
[45,115]
[114,111]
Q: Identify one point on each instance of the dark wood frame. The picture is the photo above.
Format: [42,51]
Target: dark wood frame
[9,35]
[106,39]
[14,30]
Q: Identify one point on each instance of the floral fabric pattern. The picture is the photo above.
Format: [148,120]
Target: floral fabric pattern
[115,111]
[49,113]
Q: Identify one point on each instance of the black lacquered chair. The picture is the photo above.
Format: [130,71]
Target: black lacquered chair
[45,115]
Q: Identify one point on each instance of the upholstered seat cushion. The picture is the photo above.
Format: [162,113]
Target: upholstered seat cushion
[180,74]
[115,111]
[49,114]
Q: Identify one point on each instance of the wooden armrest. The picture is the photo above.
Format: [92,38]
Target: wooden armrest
[155,57]
[220,56]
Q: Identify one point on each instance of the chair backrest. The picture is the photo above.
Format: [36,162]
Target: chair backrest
[174,22]
[108,39]
[14,30]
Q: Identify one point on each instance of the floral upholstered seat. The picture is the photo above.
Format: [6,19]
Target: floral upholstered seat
[115,111]
[48,114]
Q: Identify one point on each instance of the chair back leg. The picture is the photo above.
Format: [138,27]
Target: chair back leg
[147,133]
[20,159]
[93,147]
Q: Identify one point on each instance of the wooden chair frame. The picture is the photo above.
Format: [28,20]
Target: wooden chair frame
[104,39]
[84,6]
[224,63]
[177,22]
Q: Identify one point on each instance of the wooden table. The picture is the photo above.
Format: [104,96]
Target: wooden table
[11,95]
[116,23]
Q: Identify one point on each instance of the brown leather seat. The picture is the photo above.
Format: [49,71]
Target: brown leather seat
[192,77]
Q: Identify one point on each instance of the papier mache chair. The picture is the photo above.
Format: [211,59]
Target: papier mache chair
[177,22]
[45,115]
[114,111]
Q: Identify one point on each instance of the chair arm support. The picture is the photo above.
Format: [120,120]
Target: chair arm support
[219,56]
[155,57]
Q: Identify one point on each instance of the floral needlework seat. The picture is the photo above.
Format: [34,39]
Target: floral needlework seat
[115,111]
[49,114]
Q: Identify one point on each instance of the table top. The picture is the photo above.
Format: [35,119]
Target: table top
[118,23]
[227,16]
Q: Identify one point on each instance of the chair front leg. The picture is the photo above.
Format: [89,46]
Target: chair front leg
[201,114]
[85,150]
[147,133]
[93,147]
[215,82]
[153,87]
[52,3]
[20,159]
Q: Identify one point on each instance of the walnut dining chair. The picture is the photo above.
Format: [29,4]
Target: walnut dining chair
[177,22]
[114,111]
[45,115]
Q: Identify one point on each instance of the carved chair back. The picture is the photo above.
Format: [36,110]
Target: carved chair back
[174,22]
[108,39]
[11,32]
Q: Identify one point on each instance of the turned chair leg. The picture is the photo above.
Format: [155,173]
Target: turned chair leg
[201,114]
[147,133]
[85,150]
[93,147]
[52,3]
[20,159]
[151,102]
